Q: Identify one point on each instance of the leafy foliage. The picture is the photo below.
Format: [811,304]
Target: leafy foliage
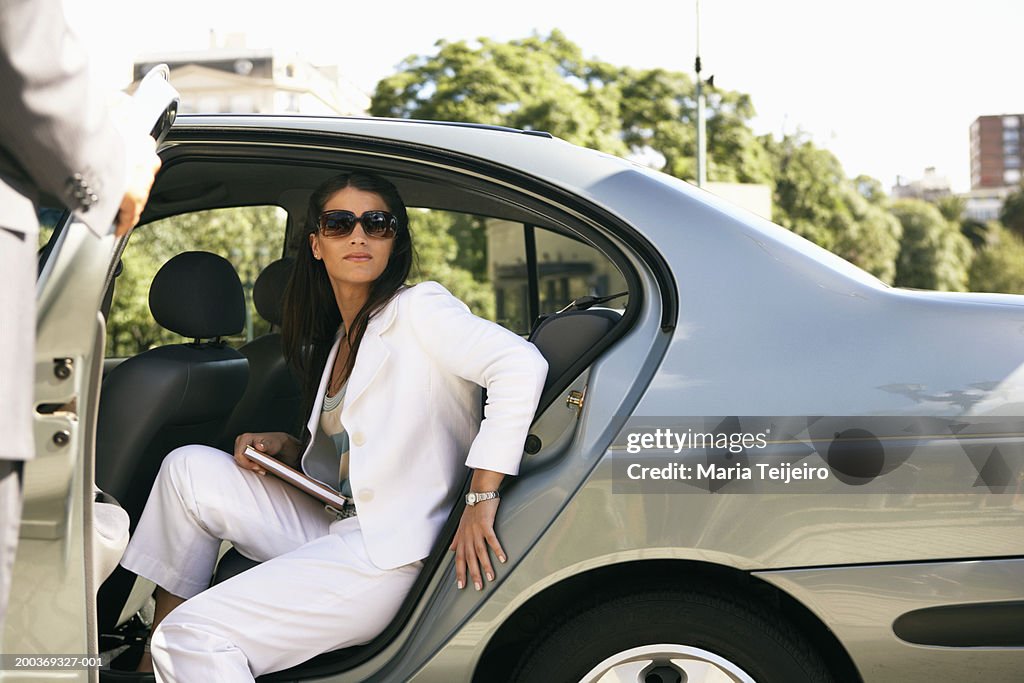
[952,208]
[933,253]
[814,198]
[545,83]
[534,84]
[450,249]
[1012,214]
[978,233]
[999,264]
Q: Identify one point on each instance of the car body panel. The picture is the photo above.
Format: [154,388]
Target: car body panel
[600,528]
[735,317]
[854,601]
[807,335]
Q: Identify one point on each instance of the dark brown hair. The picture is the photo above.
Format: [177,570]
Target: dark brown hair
[311,316]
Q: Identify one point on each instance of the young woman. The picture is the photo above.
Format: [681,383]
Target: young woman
[392,388]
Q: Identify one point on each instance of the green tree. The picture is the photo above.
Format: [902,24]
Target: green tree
[458,264]
[656,112]
[933,253]
[545,83]
[1012,214]
[808,199]
[952,209]
[735,154]
[534,84]
[871,189]
[814,198]
[978,233]
[659,110]
[871,239]
[999,265]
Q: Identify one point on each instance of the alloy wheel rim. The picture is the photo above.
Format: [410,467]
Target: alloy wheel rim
[667,663]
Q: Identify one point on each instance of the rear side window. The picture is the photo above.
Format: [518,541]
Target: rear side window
[508,271]
[250,237]
[451,248]
[568,269]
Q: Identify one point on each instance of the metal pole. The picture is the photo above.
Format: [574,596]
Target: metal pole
[702,173]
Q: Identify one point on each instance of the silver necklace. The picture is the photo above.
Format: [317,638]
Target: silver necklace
[332,402]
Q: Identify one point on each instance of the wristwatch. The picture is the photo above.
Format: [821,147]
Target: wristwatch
[474,498]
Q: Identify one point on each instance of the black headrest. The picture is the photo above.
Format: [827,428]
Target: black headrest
[268,292]
[198,294]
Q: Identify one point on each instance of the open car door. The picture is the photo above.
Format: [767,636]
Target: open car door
[64,544]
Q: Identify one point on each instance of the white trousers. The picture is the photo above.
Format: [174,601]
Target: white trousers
[315,591]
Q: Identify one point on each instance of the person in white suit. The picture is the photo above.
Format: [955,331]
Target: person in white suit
[393,376]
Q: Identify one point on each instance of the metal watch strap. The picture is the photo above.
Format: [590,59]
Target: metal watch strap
[472,498]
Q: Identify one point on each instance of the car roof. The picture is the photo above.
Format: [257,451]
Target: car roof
[658,206]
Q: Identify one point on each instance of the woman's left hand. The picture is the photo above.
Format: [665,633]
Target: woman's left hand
[475,534]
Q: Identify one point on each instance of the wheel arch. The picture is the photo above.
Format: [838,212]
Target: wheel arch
[538,613]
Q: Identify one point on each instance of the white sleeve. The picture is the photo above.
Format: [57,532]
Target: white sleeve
[510,368]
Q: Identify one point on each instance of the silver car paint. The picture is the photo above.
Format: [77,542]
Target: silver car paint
[763,359]
[813,338]
[855,600]
[779,327]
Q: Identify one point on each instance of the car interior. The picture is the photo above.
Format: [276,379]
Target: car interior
[214,370]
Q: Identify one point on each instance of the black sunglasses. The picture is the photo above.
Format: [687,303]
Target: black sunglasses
[341,223]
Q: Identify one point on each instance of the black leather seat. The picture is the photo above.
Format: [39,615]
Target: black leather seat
[273,397]
[171,395]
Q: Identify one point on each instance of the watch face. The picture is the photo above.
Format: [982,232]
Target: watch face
[471,498]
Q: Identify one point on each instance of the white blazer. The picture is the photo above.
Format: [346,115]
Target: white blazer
[412,412]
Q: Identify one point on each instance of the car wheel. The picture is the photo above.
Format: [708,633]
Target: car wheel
[673,636]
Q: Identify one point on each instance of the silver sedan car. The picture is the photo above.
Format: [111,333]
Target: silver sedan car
[752,461]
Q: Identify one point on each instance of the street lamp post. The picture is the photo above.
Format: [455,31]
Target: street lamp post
[702,172]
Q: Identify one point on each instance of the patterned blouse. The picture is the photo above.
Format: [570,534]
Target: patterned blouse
[330,423]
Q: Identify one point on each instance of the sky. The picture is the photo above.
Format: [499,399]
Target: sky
[889,86]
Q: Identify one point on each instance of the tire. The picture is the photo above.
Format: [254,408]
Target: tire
[650,636]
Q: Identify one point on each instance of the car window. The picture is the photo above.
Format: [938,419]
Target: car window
[481,260]
[250,237]
[507,263]
[569,268]
[451,248]
[489,264]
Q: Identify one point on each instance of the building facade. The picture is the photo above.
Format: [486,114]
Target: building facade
[930,187]
[984,204]
[242,80]
[996,159]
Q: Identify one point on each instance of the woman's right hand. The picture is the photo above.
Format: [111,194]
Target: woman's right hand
[281,445]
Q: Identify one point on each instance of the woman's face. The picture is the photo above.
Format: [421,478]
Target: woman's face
[355,260]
